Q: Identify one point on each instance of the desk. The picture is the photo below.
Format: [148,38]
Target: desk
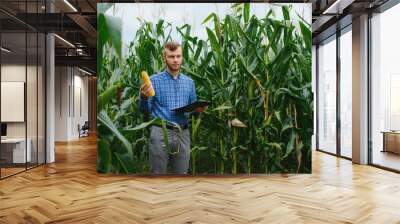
[15,148]
[391,141]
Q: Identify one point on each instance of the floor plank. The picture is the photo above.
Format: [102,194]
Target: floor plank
[70,191]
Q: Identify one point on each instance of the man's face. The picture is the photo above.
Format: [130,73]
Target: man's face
[173,59]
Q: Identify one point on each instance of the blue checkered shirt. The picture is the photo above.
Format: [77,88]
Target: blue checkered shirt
[170,94]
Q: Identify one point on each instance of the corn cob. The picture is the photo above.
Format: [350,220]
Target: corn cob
[146,80]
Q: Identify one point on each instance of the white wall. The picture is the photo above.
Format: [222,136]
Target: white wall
[61,103]
[70,83]
[33,127]
[14,73]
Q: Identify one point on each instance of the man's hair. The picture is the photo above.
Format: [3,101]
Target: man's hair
[171,45]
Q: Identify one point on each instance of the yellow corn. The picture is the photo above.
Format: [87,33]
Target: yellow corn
[146,80]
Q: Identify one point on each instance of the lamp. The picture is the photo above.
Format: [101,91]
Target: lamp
[5,50]
[70,5]
[64,40]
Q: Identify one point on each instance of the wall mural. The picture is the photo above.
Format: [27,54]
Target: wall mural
[247,73]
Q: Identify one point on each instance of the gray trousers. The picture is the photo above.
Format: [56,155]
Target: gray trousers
[178,156]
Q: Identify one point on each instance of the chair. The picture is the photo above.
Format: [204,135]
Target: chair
[84,130]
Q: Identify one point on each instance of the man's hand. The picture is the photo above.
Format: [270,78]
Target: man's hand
[201,109]
[145,91]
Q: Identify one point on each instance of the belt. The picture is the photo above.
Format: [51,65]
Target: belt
[172,127]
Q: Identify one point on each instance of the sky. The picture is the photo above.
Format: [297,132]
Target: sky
[194,14]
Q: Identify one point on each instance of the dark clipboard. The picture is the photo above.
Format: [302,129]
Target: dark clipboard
[191,107]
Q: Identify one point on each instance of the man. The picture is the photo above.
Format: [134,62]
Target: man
[172,90]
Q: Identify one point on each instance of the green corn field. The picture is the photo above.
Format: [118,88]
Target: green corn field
[256,72]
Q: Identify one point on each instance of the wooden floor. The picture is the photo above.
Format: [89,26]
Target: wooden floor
[70,191]
[10,171]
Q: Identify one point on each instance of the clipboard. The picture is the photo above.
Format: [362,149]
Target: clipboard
[191,107]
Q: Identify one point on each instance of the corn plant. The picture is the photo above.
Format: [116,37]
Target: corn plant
[256,72]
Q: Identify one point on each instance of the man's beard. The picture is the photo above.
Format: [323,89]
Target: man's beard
[172,69]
